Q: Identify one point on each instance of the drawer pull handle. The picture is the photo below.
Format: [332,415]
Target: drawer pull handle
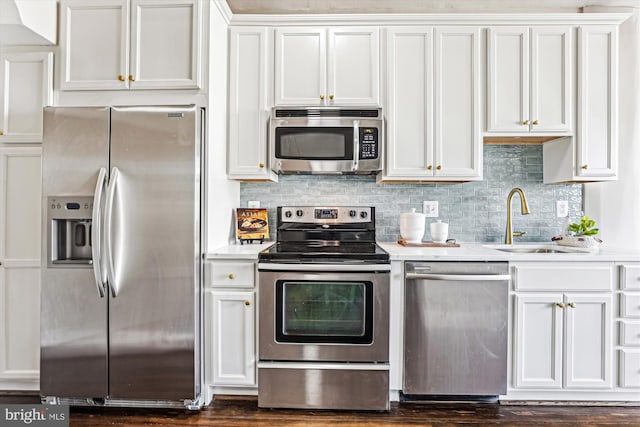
[247,302]
[232,276]
[559,304]
[572,304]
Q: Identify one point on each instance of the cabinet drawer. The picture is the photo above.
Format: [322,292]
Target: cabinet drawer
[563,277]
[630,333]
[630,305]
[629,368]
[630,277]
[231,274]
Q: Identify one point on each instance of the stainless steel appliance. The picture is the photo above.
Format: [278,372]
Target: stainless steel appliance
[324,312]
[456,329]
[121,257]
[326,140]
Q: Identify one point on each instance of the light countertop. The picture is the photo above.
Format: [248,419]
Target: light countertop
[466,252]
[478,252]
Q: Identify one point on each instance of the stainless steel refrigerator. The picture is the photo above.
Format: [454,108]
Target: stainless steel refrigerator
[121,260]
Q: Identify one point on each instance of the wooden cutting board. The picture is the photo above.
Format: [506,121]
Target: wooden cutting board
[429,244]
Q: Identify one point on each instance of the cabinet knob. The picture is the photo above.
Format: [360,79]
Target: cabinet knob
[131,78]
[121,77]
[330,96]
[429,167]
[247,302]
[572,304]
[535,122]
[322,97]
[261,165]
[585,166]
[438,167]
[559,304]
[525,122]
[232,276]
[1,133]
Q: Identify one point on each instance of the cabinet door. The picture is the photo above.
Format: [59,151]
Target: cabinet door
[165,44]
[300,66]
[26,86]
[409,103]
[458,140]
[508,79]
[232,337]
[20,271]
[588,342]
[551,77]
[597,138]
[248,109]
[538,341]
[353,66]
[94,44]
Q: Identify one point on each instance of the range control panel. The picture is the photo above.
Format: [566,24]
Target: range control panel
[368,143]
[326,214]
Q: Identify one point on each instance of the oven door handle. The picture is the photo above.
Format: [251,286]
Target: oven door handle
[356,145]
[354,268]
[457,277]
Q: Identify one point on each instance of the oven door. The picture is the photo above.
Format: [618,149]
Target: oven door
[326,316]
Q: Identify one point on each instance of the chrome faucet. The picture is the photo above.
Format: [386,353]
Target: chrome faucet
[524,208]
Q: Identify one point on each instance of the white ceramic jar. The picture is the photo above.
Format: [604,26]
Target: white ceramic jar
[412,226]
[439,231]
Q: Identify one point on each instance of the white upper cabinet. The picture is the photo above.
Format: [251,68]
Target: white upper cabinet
[530,80]
[130,44]
[248,103]
[433,104]
[592,155]
[597,136]
[319,66]
[26,85]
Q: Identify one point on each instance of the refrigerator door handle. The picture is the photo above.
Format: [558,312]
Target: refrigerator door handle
[108,219]
[96,232]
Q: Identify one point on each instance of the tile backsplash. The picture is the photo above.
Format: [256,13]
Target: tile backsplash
[475,211]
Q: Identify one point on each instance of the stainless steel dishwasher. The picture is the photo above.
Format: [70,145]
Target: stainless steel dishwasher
[456,329]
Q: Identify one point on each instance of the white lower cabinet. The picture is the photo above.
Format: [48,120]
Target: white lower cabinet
[20,268]
[563,330]
[629,327]
[230,327]
[233,337]
[563,340]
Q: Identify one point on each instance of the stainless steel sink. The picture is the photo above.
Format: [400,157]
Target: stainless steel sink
[537,249]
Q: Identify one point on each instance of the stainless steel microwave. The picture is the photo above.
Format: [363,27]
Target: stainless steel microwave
[326,140]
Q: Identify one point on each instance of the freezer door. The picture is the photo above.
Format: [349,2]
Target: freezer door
[153,242]
[73,337]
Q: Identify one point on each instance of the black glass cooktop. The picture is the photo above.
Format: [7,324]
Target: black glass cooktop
[324,251]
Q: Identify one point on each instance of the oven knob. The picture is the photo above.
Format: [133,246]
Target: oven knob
[363,214]
[288,214]
[299,212]
[352,213]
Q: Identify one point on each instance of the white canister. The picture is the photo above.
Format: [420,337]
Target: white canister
[439,231]
[412,226]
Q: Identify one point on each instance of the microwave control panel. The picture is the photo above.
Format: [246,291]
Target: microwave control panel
[368,143]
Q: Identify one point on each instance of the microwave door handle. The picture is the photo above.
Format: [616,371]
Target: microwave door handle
[356,144]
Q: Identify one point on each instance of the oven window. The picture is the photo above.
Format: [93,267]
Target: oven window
[320,143]
[324,312]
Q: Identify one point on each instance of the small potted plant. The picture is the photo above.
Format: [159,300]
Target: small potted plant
[580,234]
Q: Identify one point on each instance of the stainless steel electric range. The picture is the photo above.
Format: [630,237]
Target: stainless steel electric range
[324,312]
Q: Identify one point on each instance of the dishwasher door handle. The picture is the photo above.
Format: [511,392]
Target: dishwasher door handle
[458,277]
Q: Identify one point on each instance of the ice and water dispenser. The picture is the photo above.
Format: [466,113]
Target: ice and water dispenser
[69,222]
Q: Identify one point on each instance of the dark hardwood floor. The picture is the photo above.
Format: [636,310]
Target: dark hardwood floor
[234,411]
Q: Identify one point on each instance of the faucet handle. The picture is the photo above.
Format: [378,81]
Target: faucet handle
[519,233]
